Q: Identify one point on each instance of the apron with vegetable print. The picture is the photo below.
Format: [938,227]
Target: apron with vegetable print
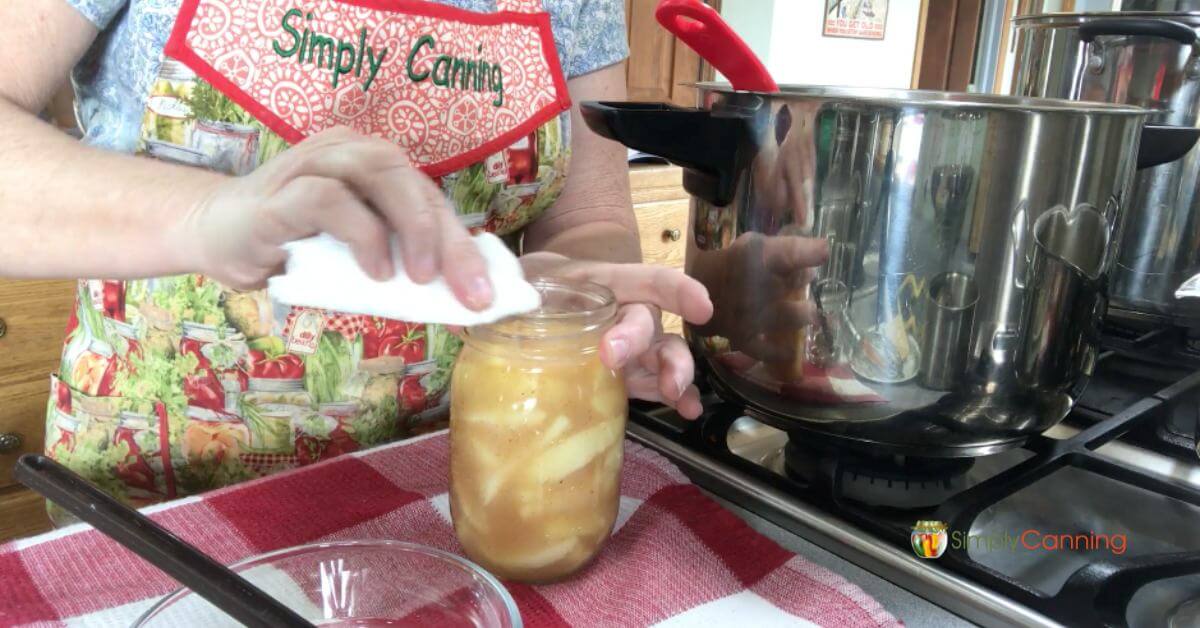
[176,385]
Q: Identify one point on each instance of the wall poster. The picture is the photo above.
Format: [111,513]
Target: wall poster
[858,19]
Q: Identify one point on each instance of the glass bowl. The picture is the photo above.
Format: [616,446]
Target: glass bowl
[360,583]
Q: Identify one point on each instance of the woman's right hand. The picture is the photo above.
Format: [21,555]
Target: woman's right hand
[784,170]
[358,189]
[759,286]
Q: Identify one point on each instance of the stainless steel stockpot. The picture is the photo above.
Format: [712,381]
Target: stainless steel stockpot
[1147,59]
[1006,207]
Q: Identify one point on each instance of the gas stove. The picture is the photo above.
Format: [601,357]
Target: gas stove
[1092,523]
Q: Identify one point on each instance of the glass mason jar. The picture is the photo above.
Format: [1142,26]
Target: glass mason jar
[536,431]
[270,408]
[170,116]
[230,148]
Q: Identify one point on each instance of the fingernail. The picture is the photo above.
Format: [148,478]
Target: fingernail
[384,270]
[425,267]
[680,385]
[479,293]
[619,348]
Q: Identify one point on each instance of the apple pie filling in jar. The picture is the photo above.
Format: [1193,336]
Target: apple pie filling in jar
[537,424]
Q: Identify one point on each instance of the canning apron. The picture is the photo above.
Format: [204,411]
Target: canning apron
[175,385]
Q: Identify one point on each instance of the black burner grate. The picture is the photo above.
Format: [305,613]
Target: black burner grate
[1144,393]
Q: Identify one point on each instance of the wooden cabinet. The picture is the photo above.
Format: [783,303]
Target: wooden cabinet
[22,513]
[946,42]
[34,315]
[662,209]
[659,66]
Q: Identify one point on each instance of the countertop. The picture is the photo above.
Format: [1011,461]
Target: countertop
[913,610]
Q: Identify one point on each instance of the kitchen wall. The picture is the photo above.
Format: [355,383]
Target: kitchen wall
[787,35]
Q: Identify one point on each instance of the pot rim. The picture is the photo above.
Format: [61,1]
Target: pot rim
[938,99]
[1062,19]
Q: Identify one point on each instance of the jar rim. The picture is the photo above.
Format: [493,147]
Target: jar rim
[594,306]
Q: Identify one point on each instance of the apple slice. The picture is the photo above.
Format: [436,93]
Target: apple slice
[560,528]
[557,428]
[608,396]
[612,460]
[490,486]
[575,451]
[463,516]
[516,417]
[543,556]
[483,455]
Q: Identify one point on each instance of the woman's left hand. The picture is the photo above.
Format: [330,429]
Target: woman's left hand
[658,367]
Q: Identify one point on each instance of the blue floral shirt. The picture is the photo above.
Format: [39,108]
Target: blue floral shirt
[114,78]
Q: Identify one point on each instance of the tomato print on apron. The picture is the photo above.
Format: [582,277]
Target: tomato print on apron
[176,385]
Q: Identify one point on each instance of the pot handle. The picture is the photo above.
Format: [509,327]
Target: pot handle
[703,30]
[1137,26]
[1162,144]
[711,148]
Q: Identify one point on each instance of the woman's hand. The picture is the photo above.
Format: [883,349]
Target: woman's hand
[784,171]
[358,189]
[760,287]
[658,367]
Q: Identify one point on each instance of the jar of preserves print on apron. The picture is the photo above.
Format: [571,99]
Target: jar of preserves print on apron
[175,385]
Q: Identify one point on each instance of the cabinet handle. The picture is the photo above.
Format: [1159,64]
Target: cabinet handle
[3,328]
[671,234]
[9,442]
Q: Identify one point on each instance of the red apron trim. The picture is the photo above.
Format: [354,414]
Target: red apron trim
[179,48]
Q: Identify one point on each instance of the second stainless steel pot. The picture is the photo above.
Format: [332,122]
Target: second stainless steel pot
[1148,59]
[1003,207]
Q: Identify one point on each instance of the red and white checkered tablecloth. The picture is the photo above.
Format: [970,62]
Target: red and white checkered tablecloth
[676,557]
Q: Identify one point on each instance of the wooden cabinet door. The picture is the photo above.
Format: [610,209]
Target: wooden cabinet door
[35,316]
[658,64]
[662,208]
[946,44]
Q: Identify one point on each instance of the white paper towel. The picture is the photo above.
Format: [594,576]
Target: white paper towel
[322,273]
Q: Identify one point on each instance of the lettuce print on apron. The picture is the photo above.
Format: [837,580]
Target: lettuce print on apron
[172,386]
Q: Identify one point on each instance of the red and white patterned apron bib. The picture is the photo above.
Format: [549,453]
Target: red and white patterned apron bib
[176,385]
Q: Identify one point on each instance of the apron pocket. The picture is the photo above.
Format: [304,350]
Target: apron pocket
[120,444]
